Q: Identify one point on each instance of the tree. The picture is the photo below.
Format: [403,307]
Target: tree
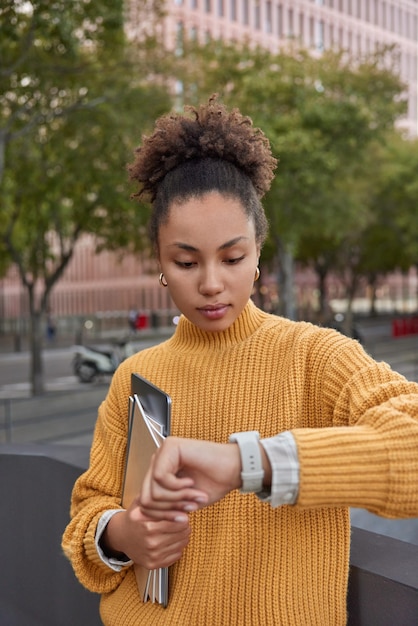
[73,109]
[320,114]
[383,236]
[391,243]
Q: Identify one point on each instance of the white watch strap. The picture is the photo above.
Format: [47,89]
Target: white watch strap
[252,473]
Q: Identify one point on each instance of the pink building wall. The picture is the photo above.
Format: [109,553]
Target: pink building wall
[93,283]
[356,25]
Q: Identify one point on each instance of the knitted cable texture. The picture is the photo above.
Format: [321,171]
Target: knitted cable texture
[356,427]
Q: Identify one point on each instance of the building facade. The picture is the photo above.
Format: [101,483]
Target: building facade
[358,26]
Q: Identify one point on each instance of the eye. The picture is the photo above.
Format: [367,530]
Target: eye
[184,264]
[234,260]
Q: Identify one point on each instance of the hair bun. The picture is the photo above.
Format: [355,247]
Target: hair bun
[209,130]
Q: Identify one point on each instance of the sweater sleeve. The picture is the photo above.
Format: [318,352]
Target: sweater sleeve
[369,458]
[98,490]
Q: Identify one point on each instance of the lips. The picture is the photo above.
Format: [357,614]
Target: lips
[214,311]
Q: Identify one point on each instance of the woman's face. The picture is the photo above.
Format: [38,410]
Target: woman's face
[208,255]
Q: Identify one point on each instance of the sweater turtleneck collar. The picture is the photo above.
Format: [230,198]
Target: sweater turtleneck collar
[188,336]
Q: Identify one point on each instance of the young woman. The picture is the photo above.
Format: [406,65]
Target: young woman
[337,429]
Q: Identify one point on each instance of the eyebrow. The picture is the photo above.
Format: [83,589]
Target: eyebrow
[224,246]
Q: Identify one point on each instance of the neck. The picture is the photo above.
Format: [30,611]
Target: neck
[187,334]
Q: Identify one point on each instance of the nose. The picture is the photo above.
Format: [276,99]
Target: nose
[210,280]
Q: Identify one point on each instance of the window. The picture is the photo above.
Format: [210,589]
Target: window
[233,10]
[279,20]
[301,27]
[319,43]
[245,12]
[392,19]
[311,31]
[179,39]
[257,19]
[269,21]
[290,30]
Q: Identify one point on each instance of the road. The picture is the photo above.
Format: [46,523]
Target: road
[66,414]
[15,369]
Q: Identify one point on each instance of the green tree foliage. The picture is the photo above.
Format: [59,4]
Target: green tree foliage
[384,237]
[395,201]
[74,104]
[320,113]
[391,241]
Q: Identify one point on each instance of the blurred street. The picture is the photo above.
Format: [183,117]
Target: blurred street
[67,412]
[15,366]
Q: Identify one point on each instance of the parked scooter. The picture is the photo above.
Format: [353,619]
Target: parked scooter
[90,362]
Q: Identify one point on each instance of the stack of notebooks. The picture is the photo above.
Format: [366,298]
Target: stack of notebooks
[149,424]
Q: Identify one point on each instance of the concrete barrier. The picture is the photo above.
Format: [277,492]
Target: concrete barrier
[38,587]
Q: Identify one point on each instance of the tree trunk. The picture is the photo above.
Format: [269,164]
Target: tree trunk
[285,279]
[35,343]
[348,323]
[373,295]
[323,312]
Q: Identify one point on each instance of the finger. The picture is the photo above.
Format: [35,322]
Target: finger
[164,559]
[170,515]
[166,468]
[172,482]
[165,498]
[164,547]
[155,494]
[168,530]
[186,500]
[165,489]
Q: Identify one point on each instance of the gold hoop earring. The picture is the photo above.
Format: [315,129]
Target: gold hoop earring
[257,274]
[162,280]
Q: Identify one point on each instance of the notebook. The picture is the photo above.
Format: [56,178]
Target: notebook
[149,424]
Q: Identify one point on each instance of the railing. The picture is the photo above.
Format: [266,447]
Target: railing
[383,586]
[38,587]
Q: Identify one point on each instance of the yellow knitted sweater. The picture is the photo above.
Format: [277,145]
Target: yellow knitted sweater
[356,427]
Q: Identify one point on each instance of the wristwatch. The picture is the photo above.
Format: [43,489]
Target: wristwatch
[252,473]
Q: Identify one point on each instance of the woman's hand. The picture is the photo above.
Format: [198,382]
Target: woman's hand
[150,542]
[188,474]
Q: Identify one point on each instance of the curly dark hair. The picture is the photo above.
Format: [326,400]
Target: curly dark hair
[211,149]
